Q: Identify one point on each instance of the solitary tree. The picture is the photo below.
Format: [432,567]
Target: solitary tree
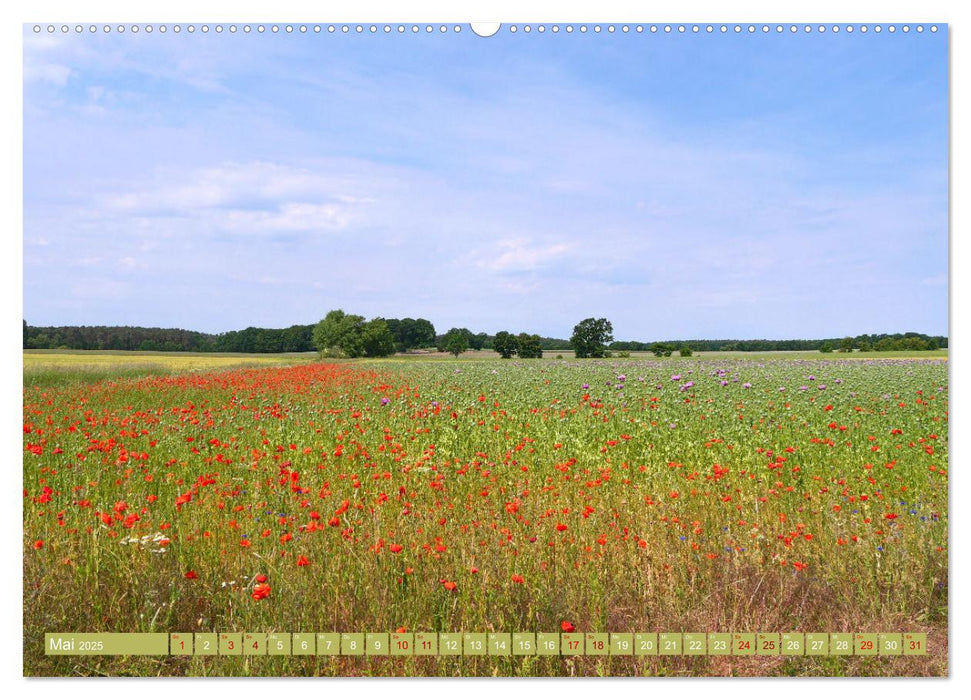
[456,341]
[590,337]
[661,349]
[685,351]
[339,334]
[529,346]
[826,347]
[505,344]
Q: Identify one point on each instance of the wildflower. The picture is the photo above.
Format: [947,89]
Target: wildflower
[261,591]
[567,626]
[303,561]
[516,578]
[191,575]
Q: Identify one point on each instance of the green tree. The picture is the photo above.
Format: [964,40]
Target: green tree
[590,337]
[376,339]
[339,334]
[661,349]
[423,334]
[529,346]
[847,344]
[456,341]
[685,351]
[506,344]
[826,347]
[865,346]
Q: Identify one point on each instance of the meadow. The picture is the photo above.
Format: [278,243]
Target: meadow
[712,493]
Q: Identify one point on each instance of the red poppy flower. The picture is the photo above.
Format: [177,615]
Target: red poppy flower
[38,544]
[449,585]
[395,548]
[560,527]
[303,561]
[261,591]
[567,626]
[191,575]
[516,578]
[261,578]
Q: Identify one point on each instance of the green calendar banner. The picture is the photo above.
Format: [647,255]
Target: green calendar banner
[105,643]
[494,644]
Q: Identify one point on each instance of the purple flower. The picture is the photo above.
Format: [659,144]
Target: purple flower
[621,377]
[746,385]
[385,401]
[812,377]
[724,382]
[585,386]
[675,377]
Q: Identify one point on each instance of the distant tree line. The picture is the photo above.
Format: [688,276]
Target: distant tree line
[408,334]
[864,343]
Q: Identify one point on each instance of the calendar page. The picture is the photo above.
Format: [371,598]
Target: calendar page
[519,349]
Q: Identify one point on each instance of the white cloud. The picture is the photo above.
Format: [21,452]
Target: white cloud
[517,255]
[53,73]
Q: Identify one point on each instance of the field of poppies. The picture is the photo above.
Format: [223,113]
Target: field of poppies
[696,495]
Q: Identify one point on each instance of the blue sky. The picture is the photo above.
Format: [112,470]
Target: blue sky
[683,186]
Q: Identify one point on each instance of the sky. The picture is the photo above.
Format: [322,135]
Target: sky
[702,185]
